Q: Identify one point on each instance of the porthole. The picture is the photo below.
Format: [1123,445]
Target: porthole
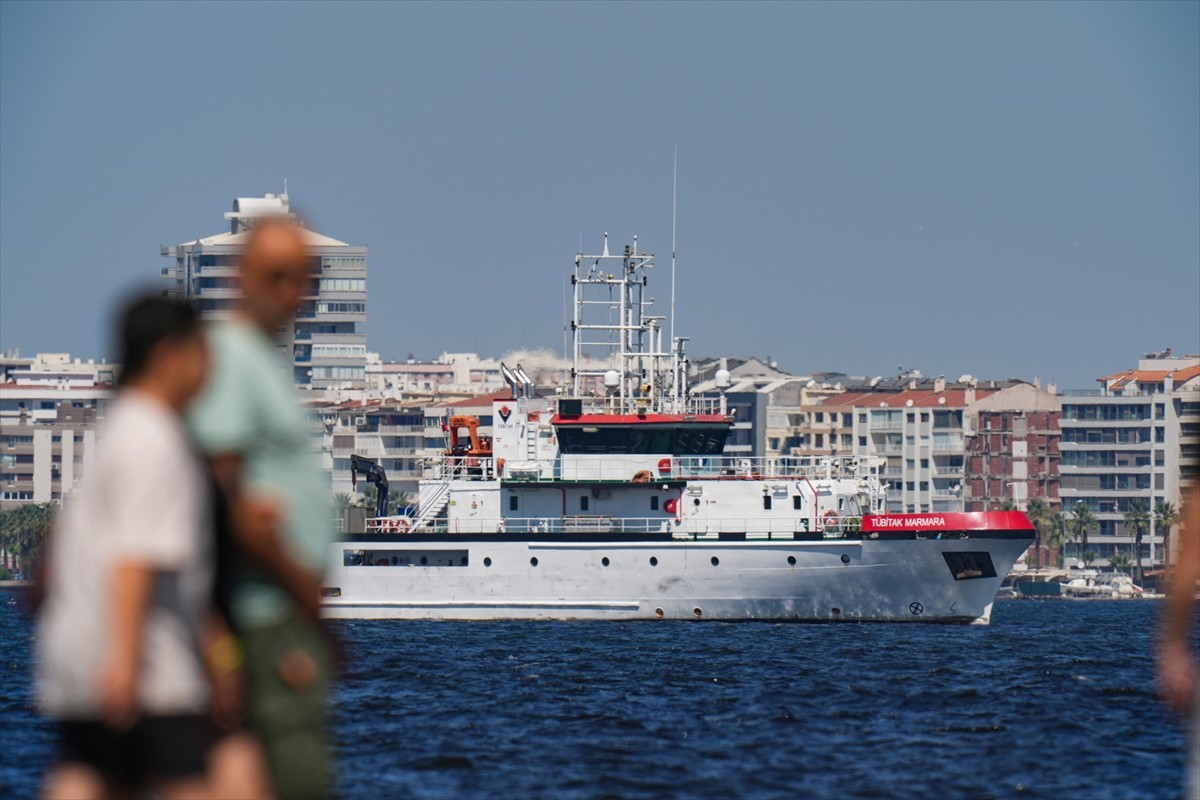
[696,502]
[658,612]
[715,560]
[653,561]
[845,558]
[395,560]
[424,560]
[792,560]
[487,562]
[835,611]
[605,561]
[463,561]
[533,561]
[697,613]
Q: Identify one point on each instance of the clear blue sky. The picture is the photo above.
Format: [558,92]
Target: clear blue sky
[1000,189]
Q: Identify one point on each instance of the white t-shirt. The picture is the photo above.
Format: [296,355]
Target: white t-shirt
[143,499]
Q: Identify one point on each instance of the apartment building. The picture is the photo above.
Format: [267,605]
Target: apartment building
[921,435]
[326,344]
[1137,436]
[49,407]
[1012,448]
[390,432]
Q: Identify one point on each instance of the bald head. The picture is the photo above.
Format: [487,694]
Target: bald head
[274,273]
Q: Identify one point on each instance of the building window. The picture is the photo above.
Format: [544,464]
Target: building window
[343,284]
[331,307]
[862,441]
[910,486]
[924,463]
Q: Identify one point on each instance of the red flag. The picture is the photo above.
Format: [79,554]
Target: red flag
[445,427]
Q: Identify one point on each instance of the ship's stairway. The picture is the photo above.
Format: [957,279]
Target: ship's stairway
[432,501]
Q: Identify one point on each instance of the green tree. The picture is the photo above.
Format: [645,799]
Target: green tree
[23,532]
[1137,519]
[1119,560]
[1166,517]
[396,499]
[1082,521]
[1038,512]
[1008,505]
[1058,534]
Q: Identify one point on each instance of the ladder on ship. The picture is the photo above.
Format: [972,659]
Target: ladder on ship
[432,500]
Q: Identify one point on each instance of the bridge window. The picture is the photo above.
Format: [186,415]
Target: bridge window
[514,503]
[697,440]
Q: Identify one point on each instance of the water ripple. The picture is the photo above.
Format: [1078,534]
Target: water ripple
[1053,700]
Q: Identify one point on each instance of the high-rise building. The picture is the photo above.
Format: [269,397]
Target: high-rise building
[1012,448]
[1137,436]
[326,345]
[49,407]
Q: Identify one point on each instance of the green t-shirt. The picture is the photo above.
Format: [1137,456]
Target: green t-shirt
[249,408]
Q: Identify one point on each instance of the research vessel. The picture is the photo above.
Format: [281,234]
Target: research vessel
[613,499]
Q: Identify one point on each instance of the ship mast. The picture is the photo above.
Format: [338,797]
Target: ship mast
[617,344]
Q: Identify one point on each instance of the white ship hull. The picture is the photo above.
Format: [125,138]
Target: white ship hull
[832,580]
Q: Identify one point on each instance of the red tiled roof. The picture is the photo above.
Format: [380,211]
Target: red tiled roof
[1151,376]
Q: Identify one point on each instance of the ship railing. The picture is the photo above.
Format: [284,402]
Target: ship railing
[444,468]
[699,405]
[690,527]
[648,468]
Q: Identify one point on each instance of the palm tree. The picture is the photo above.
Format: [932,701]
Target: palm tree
[1166,516]
[1038,512]
[1059,533]
[1083,521]
[1137,517]
[1119,560]
[23,532]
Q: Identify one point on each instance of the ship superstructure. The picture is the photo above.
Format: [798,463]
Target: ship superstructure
[614,500]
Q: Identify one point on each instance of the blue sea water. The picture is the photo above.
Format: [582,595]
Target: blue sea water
[1054,700]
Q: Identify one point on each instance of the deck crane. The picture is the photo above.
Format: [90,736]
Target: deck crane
[374,474]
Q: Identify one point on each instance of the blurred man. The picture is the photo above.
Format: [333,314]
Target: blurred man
[250,424]
[1176,660]
[128,587]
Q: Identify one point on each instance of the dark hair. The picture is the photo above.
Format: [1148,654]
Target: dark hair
[146,322]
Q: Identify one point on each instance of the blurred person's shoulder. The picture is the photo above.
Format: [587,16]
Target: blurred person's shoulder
[139,424]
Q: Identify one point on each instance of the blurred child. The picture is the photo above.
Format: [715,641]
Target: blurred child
[129,582]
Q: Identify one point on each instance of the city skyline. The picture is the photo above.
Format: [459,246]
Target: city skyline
[1005,191]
